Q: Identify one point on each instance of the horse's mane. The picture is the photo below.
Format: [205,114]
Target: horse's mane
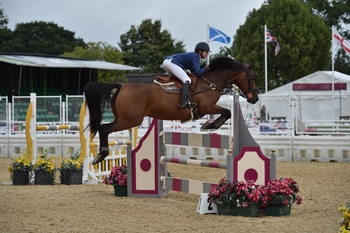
[225,62]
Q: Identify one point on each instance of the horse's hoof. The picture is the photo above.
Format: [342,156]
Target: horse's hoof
[100,157]
[207,125]
[97,159]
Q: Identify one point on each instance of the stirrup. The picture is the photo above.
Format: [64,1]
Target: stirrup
[188,104]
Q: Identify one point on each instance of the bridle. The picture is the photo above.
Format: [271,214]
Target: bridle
[213,86]
[249,78]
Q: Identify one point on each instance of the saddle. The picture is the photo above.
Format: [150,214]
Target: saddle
[173,85]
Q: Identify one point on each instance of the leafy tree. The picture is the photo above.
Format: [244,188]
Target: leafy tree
[304,39]
[337,14]
[3,19]
[43,38]
[102,52]
[146,46]
[5,33]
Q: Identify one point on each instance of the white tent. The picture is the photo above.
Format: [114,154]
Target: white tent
[312,100]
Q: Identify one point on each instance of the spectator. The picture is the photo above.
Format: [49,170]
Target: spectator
[263,115]
[12,92]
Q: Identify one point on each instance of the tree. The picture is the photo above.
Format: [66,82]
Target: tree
[3,19]
[102,52]
[43,38]
[335,14]
[146,46]
[5,33]
[304,39]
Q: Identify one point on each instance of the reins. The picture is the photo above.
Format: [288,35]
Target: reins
[213,86]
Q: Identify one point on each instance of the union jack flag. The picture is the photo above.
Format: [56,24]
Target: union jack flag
[270,38]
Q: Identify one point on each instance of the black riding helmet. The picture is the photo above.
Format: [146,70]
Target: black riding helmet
[202,46]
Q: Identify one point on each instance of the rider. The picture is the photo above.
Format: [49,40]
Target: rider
[178,63]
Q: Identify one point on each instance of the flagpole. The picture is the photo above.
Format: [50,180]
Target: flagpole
[333,59]
[265,58]
[333,69]
[208,58]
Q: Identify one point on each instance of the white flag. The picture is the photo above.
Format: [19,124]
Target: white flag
[341,41]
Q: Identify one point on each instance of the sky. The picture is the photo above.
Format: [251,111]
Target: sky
[105,20]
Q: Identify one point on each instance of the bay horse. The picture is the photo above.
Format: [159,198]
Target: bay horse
[131,102]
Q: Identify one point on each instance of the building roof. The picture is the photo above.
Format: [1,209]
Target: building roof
[50,61]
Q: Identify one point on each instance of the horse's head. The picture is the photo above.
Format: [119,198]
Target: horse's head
[247,84]
[232,72]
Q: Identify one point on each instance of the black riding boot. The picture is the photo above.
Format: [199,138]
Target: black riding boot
[184,94]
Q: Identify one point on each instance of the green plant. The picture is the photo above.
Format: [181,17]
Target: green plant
[283,191]
[22,162]
[45,162]
[237,193]
[117,176]
[345,221]
[73,162]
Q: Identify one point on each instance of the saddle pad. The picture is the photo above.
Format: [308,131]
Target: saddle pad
[168,87]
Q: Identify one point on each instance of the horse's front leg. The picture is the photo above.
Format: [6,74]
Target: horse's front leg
[225,115]
[104,149]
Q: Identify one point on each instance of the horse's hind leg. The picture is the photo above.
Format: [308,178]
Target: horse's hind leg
[105,130]
[104,149]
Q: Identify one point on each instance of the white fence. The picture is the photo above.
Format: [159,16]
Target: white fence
[286,128]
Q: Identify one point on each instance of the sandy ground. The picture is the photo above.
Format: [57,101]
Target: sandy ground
[94,208]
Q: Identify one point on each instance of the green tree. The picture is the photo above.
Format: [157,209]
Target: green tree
[102,52]
[146,46]
[304,39]
[5,33]
[3,19]
[43,38]
[335,14]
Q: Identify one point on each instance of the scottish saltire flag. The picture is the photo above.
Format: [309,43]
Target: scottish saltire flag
[270,38]
[219,36]
[341,41]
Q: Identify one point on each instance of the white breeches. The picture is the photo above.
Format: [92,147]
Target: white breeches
[173,69]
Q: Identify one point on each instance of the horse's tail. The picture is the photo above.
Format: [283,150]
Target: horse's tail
[98,96]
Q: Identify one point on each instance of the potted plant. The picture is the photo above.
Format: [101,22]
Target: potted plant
[44,169]
[118,178]
[345,221]
[21,168]
[237,198]
[279,196]
[71,169]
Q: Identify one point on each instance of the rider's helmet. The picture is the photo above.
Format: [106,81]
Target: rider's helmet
[202,46]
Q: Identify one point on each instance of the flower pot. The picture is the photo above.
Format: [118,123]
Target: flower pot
[75,176]
[64,176]
[120,191]
[71,176]
[43,177]
[20,177]
[277,209]
[223,210]
[252,210]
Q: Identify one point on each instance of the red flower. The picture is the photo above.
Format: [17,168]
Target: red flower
[118,176]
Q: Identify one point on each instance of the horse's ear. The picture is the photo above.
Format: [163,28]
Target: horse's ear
[252,65]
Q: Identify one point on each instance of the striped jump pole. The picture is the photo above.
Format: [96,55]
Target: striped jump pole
[57,127]
[194,162]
